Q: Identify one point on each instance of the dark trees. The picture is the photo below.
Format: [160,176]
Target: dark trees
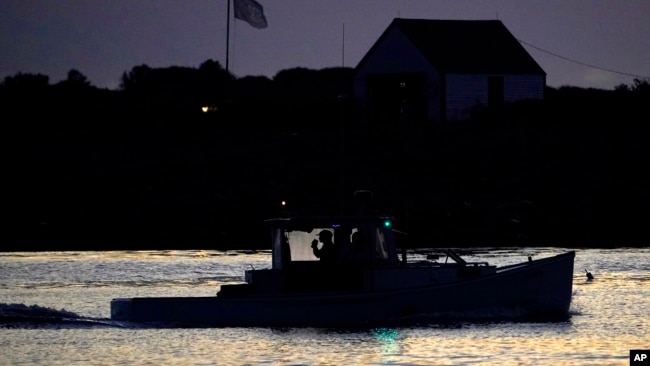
[142,166]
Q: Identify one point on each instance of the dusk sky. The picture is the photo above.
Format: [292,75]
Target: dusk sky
[585,43]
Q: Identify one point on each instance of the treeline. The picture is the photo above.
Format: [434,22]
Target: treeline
[145,167]
[150,97]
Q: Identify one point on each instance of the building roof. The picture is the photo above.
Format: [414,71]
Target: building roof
[466,46]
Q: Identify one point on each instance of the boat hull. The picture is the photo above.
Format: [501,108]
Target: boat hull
[533,290]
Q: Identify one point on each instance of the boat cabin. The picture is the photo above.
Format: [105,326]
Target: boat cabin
[357,241]
[365,259]
[362,245]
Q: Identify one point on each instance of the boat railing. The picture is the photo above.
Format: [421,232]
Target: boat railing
[458,260]
[428,263]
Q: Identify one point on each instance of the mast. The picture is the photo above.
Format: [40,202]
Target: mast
[341,99]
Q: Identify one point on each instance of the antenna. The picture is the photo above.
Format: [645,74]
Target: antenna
[343,47]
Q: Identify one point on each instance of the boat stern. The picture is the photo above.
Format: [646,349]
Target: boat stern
[122,309]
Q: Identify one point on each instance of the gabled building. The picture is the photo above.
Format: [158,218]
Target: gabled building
[442,70]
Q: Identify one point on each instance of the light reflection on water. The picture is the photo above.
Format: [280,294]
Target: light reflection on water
[610,316]
[490,345]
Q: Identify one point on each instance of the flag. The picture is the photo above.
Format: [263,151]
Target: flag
[251,12]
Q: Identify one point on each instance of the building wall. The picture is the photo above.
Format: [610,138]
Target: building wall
[466,92]
[519,87]
[396,55]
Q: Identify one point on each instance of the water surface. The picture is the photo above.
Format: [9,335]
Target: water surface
[55,310]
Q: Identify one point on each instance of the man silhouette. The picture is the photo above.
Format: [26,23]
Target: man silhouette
[327,252]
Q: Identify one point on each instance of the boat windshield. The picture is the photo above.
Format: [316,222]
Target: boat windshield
[354,244]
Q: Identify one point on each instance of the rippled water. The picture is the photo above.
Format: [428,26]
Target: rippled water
[55,309]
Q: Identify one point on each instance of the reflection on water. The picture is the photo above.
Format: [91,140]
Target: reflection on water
[610,315]
[388,339]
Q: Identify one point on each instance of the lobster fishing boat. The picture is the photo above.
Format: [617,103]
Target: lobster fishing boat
[366,280]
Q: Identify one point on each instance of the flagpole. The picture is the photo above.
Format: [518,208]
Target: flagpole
[227,37]
[249,11]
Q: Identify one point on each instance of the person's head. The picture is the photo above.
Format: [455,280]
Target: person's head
[325,236]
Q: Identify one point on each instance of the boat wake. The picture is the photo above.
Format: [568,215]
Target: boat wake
[35,316]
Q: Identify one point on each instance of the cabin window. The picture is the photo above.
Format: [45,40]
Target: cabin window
[355,244]
[300,244]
